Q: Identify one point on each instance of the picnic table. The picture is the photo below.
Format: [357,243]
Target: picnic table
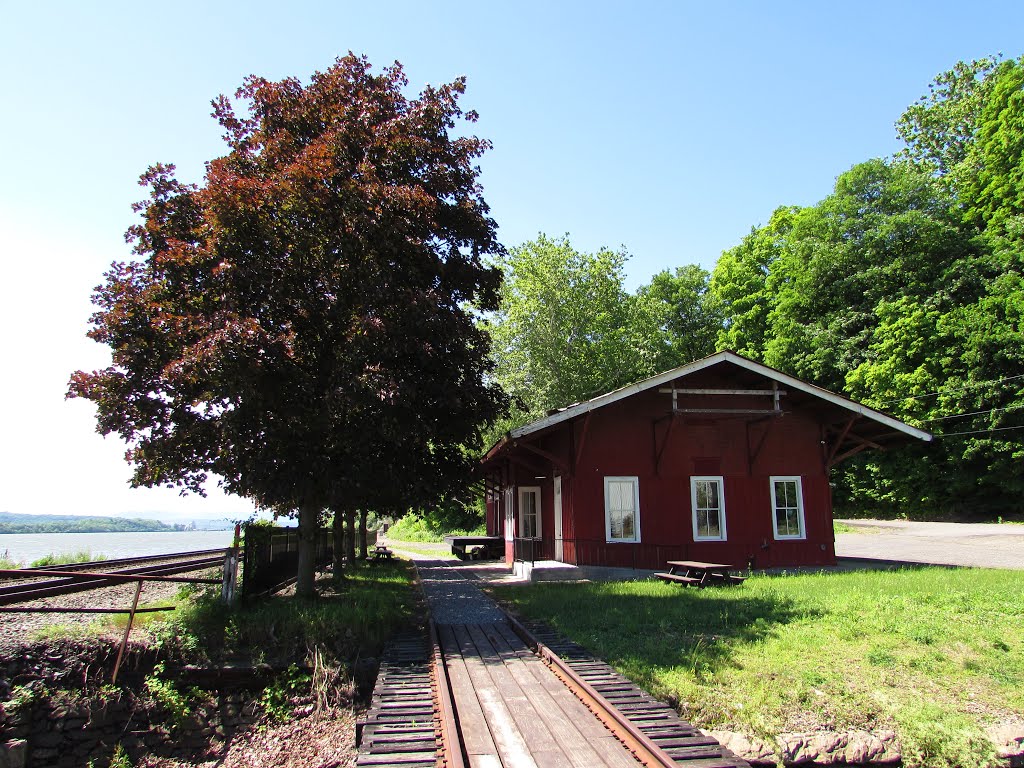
[698,574]
[380,552]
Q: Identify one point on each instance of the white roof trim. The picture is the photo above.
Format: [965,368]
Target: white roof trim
[719,357]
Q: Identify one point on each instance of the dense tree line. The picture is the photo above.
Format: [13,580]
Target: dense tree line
[904,289]
[91,525]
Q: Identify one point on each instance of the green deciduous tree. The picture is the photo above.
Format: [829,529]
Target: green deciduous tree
[885,233]
[687,314]
[298,324]
[739,286]
[939,128]
[566,329]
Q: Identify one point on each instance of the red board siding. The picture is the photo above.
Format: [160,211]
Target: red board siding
[620,443]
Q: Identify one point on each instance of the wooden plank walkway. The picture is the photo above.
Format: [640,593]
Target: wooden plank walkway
[513,712]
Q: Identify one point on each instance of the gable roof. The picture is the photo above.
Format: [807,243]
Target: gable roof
[831,398]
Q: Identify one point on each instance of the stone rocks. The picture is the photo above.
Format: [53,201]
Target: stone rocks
[1009,741]
[820,748]
[754,750]
[68,719]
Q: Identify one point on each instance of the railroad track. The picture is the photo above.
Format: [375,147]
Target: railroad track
[412,721]
[77,577]
[100,565]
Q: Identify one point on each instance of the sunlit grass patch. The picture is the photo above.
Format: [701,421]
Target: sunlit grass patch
[405,546]
[834,651]
[8,563]
[354,619]
[67,558]
[840,527]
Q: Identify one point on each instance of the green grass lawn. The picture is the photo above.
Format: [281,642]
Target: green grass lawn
[422,548]
[935,654]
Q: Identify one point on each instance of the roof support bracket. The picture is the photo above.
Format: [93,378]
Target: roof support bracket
[559,463]
[582,442]
[659,452]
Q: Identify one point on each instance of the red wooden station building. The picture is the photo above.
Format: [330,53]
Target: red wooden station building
[722,460]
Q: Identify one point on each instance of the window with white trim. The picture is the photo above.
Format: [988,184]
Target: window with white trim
[529,512]
[787,508]
[622,509]
[707,501]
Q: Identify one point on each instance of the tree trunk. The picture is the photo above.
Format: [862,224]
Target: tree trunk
[350,538]
[338,539]
[308,518]
[363,553]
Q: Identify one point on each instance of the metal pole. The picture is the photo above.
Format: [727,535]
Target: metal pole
[127,631]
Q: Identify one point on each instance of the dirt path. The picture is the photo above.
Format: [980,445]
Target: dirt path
[978,545]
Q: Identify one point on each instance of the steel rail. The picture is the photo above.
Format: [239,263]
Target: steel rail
[46,609]
[67,582]
[452,745]
[85,565]
[645,750]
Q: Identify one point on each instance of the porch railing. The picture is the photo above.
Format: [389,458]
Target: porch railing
[529,550]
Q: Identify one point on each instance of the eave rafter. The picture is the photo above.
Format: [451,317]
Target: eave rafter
[557,461]
[847,443]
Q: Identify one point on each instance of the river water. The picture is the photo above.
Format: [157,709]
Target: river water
[26,547]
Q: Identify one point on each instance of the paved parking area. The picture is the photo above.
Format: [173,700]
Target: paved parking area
[979,545]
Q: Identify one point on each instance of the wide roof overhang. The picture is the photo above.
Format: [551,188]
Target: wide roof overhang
[856,425]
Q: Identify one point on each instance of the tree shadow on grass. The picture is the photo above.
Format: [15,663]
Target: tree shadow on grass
[697,630]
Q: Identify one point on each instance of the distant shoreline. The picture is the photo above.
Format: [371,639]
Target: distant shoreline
[57,528]
[32,524]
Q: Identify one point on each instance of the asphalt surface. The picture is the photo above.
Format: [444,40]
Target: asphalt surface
[978,545]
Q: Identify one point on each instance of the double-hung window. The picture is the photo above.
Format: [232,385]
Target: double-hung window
[529,512]
[707,501]
[787,508]
[622,509]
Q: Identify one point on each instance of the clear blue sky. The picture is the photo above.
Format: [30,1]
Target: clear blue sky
[667,128]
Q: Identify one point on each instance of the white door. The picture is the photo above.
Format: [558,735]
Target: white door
[559,553]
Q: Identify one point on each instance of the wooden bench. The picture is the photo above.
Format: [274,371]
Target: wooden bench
[677,578]
[381,553]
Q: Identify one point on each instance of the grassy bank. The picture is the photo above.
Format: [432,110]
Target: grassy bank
[343,622]
[418,529]
[936,654]
[65,558]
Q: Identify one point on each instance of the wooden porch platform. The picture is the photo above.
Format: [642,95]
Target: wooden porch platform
[513,712]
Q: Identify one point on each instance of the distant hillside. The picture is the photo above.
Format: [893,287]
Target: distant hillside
[11,522]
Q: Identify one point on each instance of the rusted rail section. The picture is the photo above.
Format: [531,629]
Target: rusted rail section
[62,582]
[452,748]
[651,729]
[91,565]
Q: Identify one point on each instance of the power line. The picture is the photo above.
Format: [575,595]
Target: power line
[975,413]
[949,391]
[980,431]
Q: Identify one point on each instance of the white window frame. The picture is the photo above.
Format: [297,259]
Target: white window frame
[721,508]
[799,506]
[635,482]
[523,490]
